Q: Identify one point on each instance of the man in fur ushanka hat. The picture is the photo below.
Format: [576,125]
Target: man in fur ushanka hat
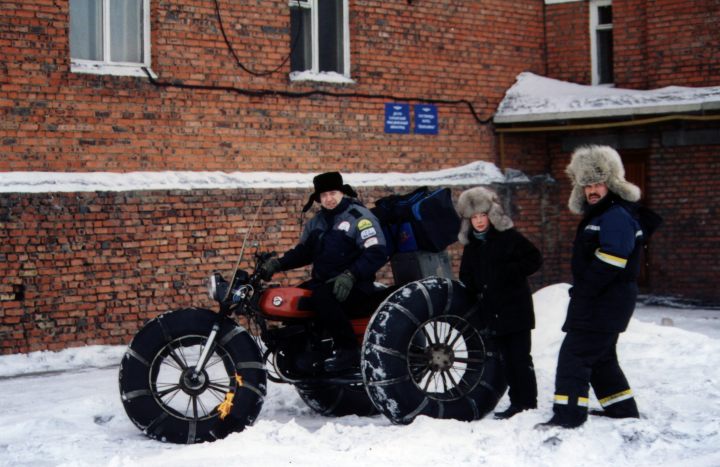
[605,266]
[495,264]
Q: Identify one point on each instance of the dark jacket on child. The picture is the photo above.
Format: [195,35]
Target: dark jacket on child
[495,270]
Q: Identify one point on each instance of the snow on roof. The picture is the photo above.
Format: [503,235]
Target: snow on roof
[536,98]
[475,173]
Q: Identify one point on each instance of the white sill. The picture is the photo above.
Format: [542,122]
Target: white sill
[323,77]
[99,68]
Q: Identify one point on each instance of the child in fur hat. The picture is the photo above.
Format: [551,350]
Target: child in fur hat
[496,261]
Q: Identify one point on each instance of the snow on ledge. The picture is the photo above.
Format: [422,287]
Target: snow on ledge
[475,173]
[323,77]
[537,98]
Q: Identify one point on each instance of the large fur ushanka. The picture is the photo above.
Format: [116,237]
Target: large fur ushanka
[598,164]
[477,200]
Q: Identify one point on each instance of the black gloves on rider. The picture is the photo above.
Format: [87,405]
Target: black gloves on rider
[269,267]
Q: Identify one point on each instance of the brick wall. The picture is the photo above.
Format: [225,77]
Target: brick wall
[90,268]
[684,43]
[656,44]
[60,121]
[568,42]
[686,249]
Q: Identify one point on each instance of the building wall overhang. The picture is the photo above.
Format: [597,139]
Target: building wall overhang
[536,98]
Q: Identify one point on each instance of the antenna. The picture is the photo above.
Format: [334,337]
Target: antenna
[242,249]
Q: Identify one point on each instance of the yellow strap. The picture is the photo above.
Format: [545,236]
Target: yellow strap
[225,406]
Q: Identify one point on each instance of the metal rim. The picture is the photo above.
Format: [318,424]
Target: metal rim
[181,393]
[446,357]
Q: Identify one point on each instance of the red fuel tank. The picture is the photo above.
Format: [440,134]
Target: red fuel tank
[283,303]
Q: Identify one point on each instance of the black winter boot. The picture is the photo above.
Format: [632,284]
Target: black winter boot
[555,421]
[510,412]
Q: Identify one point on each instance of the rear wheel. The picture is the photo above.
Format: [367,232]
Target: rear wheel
[337,400]
[425,353]
[169,401]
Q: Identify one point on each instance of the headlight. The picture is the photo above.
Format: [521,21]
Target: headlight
[212,286]
[217,286]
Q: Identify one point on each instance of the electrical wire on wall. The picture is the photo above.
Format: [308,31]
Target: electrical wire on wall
[299,94]
[293,44]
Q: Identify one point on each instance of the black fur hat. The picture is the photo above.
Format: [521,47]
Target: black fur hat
[328,181]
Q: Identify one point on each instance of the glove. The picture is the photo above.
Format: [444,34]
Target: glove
[342,285]
[269,267]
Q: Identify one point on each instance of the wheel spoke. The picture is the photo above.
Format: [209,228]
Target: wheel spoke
[174,361]
[460,334]
[469,360]
[450,377]
[427,336]
[170,399]
[223,388]
[427,383]
[435,331]
[202,406]
[192,402]
[420,372]
[417,357]
[214,360]
[165,392]
[217,394]
[444,382]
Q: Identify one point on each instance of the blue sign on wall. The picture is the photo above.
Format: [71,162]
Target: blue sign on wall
[397,118]
[426,119]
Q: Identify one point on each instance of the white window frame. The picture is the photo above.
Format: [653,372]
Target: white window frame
[314,73]
[594,27]
[107,67]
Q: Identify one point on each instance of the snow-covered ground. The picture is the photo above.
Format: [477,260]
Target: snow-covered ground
[64,408]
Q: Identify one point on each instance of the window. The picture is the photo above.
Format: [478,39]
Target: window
[601,41]
[320,35]
[110,36]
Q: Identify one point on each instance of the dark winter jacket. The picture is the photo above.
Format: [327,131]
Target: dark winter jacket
[496,271]
[606,264]
[348,237]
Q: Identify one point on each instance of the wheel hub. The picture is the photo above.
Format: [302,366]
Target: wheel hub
[440,357]
[193,383]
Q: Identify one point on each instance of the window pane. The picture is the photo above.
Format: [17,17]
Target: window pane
[605,56]
[301,58]
[86,29]
[605,15]
[330,35]
[126,31]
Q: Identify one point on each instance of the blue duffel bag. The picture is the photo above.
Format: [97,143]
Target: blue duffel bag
[420,220]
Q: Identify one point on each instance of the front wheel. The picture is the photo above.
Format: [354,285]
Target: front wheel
[164,396]
[425,353]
